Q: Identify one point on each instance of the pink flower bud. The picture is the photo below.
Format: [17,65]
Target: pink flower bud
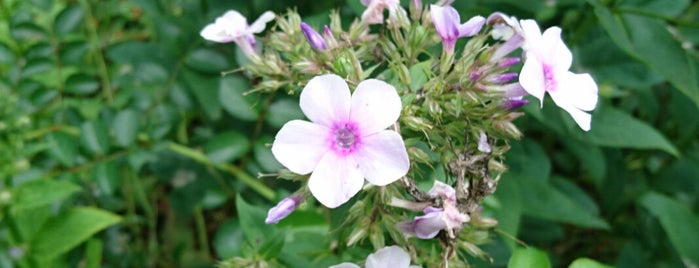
[283,208]
[313,37]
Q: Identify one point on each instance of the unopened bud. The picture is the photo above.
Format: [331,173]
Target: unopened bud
[504,78]
[416,123]
[307,67]
[507,62]
[357,235]
[283,208]
[313,37]
[507,128]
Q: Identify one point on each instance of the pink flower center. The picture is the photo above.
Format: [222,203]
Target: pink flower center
[549,81]
[344,138]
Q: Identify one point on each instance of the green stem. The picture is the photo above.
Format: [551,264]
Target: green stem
[201,233]
[97,50]
[251,182]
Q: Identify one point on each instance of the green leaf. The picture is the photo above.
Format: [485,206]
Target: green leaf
[204,89]
[67,230]
[93,253]
[6,54]
[659,7]
[587,263]
[540,199]
[62,147]
[614,128]
[207,60]
[253,224]
[231,94]
[82,84]
[527,158]
[41,192]
[125,126]
[528,257]
[679,223]
[70,18]
[282,111]
[94,137]
[228,239]
[419,75]
[226,147]
[27,32]
[106,178]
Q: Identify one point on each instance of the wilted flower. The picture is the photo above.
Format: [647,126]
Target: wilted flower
[505,28]
[346,140]
[283,208]
[313,37]
[233,27]
[393,257]
[546,70]
[448,24]
[436,219]
[483,144]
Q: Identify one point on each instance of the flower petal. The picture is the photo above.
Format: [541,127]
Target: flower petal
[345,265]
[531,33]
[446,20]
[375,106]
[577,90]
[335,180]
[554,51]
[259,25]
[300,145]
[582,118]
[444,190]
[429,225]
[326,100]
[215,33]
[532,77]
[392,256]
[471,27]
[382,157]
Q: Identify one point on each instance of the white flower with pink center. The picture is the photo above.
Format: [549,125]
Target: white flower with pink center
[346,140]
[546,70]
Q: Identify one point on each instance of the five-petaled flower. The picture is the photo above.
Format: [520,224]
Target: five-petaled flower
[233,27]
[448,24]
[546,70]
[436,219]
[346,140]
[393,257]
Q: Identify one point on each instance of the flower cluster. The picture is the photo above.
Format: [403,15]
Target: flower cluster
[393,256]
[383,107]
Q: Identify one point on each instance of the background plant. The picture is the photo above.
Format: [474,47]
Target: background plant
[118,129]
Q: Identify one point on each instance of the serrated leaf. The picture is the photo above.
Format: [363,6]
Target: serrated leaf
[231,95]
[62,147]
[125,126]
[528,257]
[226,147]
[41,192]
[68,19]
[615,128]
[69,229]
[94,136]
[679,223]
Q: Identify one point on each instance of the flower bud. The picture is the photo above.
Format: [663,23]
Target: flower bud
[283,208]
[504,78]
[512,104]
[507,62]
[483,144]
[313,37]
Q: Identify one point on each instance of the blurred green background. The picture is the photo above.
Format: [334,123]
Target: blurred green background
[121,145]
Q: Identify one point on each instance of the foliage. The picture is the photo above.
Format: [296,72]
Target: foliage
[121,145]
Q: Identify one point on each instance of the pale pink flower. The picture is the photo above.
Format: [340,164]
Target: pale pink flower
[505,28]
[448,24]
[387,257]
[546,70]
[436,219]
[346,140]
[233,27]
[374,10]
[483,144]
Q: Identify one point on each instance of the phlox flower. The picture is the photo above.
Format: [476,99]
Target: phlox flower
[314,39]
[436,219]
[448,24]
[393,257]
[505,28]
[546,70]
[233,27]
[346,140]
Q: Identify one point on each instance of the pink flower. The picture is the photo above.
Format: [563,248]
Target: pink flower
[508,29]
[436,219]
[448,23]
[346,140]
[283,208]
[374,10]
[233,27]
[546,70]
[393,257]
